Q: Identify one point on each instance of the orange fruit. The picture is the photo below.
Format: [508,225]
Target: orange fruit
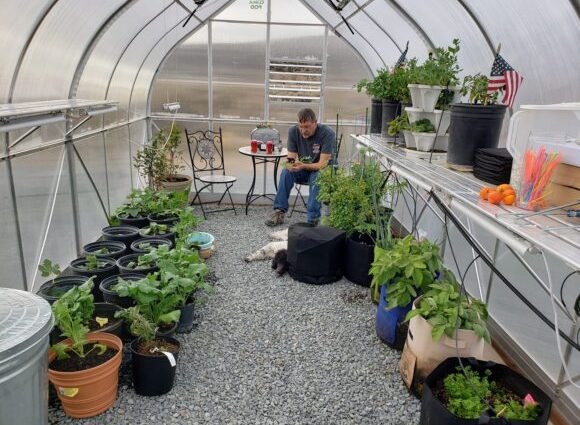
[509,199]
[504,187]
[484,192]
[508,192]
[494,197]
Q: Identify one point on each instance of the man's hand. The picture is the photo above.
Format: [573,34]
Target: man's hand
[294,166]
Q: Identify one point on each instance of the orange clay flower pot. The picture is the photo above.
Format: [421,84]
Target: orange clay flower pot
[89,392]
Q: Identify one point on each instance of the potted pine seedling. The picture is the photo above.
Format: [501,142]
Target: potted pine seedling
[154,358]
[444,322]
[161,230]
[99,267]
[400,273]
[474,392]
[84,368]
[56,287]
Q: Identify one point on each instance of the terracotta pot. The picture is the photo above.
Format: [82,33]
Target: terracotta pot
[97,386]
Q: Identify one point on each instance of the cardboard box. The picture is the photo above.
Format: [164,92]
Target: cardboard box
[567,175]
[557,194]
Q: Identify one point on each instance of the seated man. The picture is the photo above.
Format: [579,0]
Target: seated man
[307,140]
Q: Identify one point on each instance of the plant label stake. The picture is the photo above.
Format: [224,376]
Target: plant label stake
[167,354]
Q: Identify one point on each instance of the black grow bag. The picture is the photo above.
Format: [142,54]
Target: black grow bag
[358,257]
[315,253]
[153,374]
[473,127]
[433,412]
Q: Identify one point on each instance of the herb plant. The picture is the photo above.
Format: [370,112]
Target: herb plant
[389,85]
[72,313]
[440,69]
[423,126]
[408,268]
[469,395]
[476,87]
[446,309]
[399,124]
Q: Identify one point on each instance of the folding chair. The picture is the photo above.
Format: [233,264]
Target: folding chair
[206,151]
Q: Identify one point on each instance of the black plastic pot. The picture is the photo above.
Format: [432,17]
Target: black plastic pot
[391,110]
[153,373]
[126,234]
[52,290]
[134,221]
[160,218]
[116,249]
[168,331]
[111,296]
[473,127]
[185,324]
[153,241]
[170,235]
[358,257]
[123,269]
[376,115]
[109,269]
[433,412]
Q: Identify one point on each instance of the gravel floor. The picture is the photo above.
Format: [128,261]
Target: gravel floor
[270,350]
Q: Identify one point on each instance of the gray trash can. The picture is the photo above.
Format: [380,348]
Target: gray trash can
[25,322]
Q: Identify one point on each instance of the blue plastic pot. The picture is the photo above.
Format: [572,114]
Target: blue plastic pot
[202,239]
[389,322]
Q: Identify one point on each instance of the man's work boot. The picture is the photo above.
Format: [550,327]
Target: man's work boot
[276,219]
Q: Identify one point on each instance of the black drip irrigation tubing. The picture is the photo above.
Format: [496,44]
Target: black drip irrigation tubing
[447,211]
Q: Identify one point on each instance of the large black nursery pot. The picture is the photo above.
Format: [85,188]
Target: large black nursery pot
[161,218]
[153,374]
[391,110]
[185,324]
[139,221]
[111,296]
[123,264]
[124,233]
[109,269]
[151,242]
[169,235]
[433,412]
[376,115]
[473,127]
[112,249]
[358,257]
[52,290]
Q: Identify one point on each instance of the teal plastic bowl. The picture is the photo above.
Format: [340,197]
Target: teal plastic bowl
[202,239]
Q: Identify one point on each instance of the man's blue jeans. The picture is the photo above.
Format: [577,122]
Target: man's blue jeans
[285,185]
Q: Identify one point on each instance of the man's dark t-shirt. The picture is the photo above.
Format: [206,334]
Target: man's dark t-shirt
[323,140]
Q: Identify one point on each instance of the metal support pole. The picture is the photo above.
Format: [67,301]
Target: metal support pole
[73,191]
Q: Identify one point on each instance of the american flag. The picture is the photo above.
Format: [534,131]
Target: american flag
[504,77]
[403,57]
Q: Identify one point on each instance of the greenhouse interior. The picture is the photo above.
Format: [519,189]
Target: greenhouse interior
[290,212]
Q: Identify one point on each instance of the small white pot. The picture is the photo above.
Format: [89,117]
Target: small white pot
[424,141]
[409,139]
[424,97]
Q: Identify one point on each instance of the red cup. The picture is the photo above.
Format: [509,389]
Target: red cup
[254,146]
[269,147]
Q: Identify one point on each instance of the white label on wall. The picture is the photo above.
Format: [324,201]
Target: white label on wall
[256,4]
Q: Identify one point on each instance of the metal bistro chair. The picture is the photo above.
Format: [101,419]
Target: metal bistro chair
[303,206]
[206,152]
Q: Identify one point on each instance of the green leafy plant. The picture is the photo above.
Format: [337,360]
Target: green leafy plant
[156,229]
[446,308]
[475,86]
[102,251]
[423,126]
[399,124]
[305,159]
[47,268]
[140,326]
[440,68]
[389,85]
[185,225]
[72,313]
[143,262]
[469,394]
[92,262]
[408,268]
[158,303]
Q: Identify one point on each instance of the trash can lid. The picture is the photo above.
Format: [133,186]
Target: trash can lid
[25,318]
